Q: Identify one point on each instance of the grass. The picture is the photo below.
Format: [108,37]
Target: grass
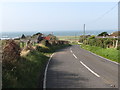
[109,53]
[69,38]
[28,69]
[73,39]
[26,73]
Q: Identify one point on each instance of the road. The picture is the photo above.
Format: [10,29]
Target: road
[74,67]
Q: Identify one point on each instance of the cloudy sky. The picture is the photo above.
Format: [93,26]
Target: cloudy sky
[58,16]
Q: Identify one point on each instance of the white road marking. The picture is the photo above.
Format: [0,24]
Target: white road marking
[74,55]
[44,81]
[85,65]
[71,50]
[89,69]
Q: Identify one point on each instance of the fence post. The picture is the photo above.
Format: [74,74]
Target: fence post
[116,44]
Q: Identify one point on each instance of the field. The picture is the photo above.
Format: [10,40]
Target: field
[69,38]
[109,53]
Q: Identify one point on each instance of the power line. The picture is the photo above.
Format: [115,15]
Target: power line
[99,18]
[107,12]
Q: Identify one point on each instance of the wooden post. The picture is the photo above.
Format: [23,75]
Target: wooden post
[116,44]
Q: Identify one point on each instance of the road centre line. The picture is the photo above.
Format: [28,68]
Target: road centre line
[85,65]
[89,69]
[71,50]
[45,74]
[74,55]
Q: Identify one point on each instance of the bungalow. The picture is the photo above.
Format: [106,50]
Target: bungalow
[115,34]
[47,38]
[112,35]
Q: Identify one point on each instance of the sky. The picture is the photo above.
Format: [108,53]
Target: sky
[57,16]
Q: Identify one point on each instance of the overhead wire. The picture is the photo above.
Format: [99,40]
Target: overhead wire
[100,17]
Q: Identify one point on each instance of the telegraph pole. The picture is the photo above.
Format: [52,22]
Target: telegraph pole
[84,32]
[84,29]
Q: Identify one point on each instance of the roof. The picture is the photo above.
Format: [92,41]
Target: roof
[47,38]
[117,33]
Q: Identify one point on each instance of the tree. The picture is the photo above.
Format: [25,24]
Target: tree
[103,34]
[23,36]
[52,37]
[11,53]
[38,34]
[91,37]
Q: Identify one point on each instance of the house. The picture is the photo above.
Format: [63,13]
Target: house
[47,38]
[115,34]
[112,35]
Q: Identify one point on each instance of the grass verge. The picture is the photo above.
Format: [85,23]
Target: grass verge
[109,53]
[28,69]
[26,72]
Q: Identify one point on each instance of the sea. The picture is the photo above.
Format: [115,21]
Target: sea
[8,35]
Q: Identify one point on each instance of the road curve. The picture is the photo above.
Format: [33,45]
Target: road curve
[74,67]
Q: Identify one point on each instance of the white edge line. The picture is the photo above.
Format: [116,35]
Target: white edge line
[103,58]
[89,69]
[44,81]
[74,55]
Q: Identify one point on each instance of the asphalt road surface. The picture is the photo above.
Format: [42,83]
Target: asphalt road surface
[74,67]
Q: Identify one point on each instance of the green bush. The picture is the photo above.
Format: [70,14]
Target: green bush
[42,49]
[118,48]
[100,42]
[43,42]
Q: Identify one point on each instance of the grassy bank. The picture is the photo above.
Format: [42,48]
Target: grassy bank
[109,53]
[28,69]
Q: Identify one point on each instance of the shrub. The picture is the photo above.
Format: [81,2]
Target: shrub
[103,34]
[42,49]
[11,53]
[118,48]
[28,47]
[23,36]
[43,42]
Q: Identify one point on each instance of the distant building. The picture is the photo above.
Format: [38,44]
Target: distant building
[115,34]
[112,35]
[47,38]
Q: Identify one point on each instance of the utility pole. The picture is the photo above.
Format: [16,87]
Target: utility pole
[84,29]
[84,32]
